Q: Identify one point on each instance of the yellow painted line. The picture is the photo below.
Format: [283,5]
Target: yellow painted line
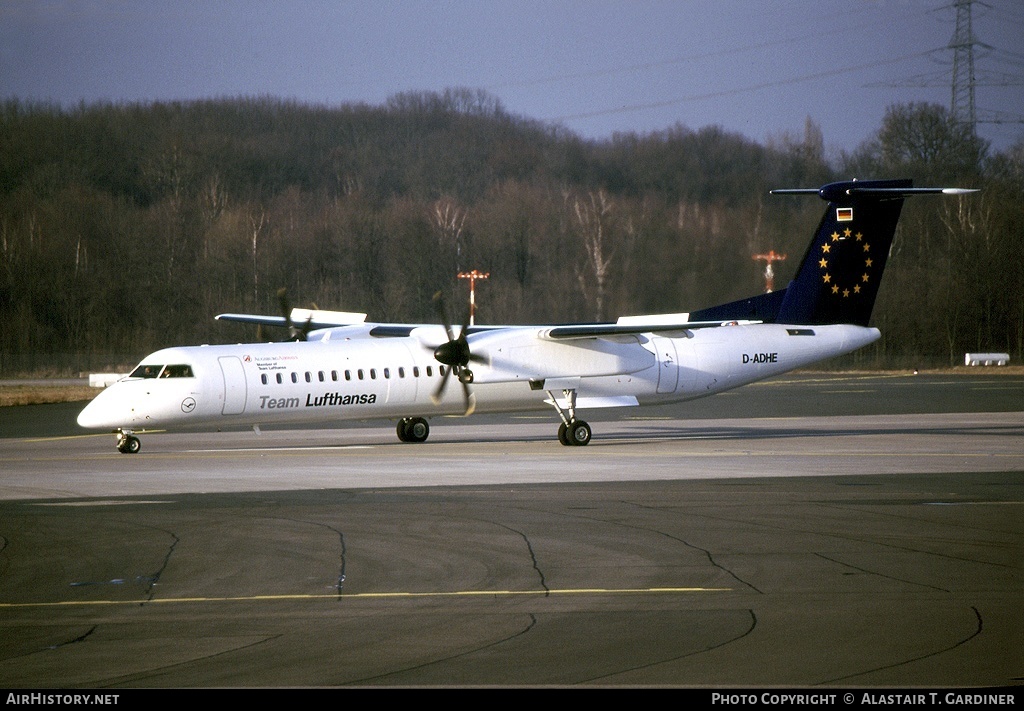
[60,439]
[93,434]
[366,596]
[104,502]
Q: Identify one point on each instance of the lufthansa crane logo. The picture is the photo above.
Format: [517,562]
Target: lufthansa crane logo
[188,405]
[846,263]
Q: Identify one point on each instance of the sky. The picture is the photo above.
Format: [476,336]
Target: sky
[594,67]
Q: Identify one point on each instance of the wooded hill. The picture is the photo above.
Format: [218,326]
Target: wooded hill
[126,228]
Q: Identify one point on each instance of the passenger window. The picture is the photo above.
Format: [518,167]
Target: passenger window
[321,374]
[401,372]
[334,375]
[279,379]
[348,375]
[295,378]
[387,373]
[360,373]
[430,372]
[264,378]
[373,373]
[415,371]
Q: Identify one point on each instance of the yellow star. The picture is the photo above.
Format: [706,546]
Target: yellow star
[846,293]
[826,247]
[867,247]
[835,236]
[828,278]
[847,232]
[856,288]
[835,288]
[823,263]
[864,278]
[860,236]
[868,262]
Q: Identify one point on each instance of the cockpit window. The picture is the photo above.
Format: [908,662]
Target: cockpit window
[146,371]
[182,370]
[177,371]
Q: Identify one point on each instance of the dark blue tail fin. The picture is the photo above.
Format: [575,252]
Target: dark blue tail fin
[839,276]
[838,279]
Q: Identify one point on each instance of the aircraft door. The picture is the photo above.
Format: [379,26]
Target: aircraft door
[234,385]
[668,364]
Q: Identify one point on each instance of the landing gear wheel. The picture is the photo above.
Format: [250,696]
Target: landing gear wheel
[574,434]
[563,434]
[129,445]
[413,429]
[418,430]
[578,433]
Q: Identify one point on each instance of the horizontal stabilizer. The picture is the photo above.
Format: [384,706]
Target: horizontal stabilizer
[839,276]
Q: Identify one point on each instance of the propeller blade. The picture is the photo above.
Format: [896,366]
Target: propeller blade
[454,353]
[436,396]
[286,309]
[295,333]
[442,314]
[470,400]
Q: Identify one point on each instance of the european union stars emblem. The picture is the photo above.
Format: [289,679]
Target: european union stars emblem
[846,258]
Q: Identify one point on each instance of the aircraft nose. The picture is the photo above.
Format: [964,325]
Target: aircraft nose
[102,413]
[91,416]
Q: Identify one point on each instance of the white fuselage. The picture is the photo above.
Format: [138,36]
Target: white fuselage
[344,374]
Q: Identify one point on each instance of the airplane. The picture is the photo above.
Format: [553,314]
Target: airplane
[337,366]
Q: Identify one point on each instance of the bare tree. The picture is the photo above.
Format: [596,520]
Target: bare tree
[449,219]
[592,215]
[257,221]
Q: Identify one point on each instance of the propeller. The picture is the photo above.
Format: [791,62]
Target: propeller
[455,354]
[296,333]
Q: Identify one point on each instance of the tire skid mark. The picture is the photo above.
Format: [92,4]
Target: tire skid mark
[911,660]
[496,643]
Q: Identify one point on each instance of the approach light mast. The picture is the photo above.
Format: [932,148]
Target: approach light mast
[473,277]
[769,274]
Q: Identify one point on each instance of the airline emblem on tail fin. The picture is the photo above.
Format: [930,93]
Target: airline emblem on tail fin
[846,264]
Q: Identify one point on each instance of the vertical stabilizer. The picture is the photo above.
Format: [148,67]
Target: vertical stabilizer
[838,279]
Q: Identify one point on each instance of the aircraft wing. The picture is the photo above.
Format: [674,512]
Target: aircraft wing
[308,318]
[630,328]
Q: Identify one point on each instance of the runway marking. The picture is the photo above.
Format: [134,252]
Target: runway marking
[80,436]
[366,596]
[104,502]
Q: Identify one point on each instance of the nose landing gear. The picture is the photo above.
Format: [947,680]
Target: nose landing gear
[413,429]
[127,443]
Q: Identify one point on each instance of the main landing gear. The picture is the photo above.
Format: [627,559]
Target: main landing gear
[413,429]
[127,443]
[572,432]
